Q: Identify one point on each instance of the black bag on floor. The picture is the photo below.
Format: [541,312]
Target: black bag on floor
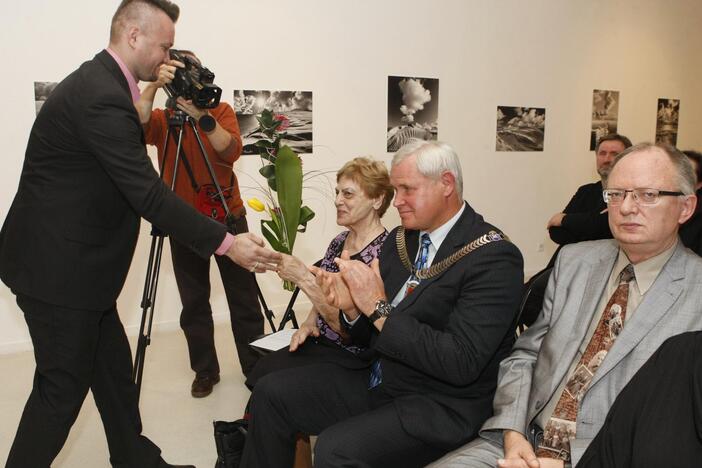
[229,440]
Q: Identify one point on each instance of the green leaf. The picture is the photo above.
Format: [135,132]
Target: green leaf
[267,171]
[272,184]
[306,214]
[269,231]
[264,144]
[266,156]
[288,176]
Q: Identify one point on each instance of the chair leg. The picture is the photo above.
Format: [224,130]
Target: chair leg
[303,452]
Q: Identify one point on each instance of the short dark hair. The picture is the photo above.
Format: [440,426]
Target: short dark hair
[613,137]
[697,157]
[129,8]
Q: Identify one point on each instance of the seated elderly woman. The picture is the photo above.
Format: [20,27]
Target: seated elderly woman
[363,194]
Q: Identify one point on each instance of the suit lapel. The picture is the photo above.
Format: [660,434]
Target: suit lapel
[455,239]
[655,305]
[594,288]
[108,62]
[397,274]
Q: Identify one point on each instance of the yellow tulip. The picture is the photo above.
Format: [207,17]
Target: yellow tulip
[256,204]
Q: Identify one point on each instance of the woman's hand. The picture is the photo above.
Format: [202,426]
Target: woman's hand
[305,330]
[292,269]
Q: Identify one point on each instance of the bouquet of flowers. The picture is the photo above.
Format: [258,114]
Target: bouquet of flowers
[282,169]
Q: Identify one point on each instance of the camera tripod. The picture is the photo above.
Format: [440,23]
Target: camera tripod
[176,122]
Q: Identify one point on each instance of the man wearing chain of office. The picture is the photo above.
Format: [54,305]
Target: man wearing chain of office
[436,314]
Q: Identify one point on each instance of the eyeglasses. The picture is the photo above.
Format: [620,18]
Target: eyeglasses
[642,196]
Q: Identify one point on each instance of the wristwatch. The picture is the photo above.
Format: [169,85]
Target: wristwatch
[207,123]
[382,309]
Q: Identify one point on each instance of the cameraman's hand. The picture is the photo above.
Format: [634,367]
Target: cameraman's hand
[248,251]
[189,108]
[166,72]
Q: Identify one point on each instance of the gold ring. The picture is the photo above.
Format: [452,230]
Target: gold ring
[253,268]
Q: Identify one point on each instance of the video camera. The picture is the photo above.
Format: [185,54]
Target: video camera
[194,82]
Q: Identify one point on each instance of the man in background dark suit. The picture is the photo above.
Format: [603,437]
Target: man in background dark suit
[433,352]
[585,216]
[69,237]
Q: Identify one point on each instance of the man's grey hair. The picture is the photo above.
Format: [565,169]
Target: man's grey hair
[685,173]
[433,159]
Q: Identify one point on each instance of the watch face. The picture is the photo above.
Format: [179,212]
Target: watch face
[383,308]
[207,123]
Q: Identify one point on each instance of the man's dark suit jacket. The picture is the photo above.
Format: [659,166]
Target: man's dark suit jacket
[691,231]
[71,231]
[440,348]
[583,221]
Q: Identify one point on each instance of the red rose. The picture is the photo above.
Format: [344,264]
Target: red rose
[284,122]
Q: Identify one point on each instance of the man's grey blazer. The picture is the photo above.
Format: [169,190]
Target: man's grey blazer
[542,355]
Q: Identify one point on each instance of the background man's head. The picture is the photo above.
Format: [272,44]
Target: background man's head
[142,32]
[608,147]
[428,184]
[645,230]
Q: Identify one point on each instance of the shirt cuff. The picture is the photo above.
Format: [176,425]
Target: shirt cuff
[349,323]
[224,246]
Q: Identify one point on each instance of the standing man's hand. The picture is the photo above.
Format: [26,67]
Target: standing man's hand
[249,251]
[166,73]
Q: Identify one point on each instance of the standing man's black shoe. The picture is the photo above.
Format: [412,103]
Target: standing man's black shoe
[202,386]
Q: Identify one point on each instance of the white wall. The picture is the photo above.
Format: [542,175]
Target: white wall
[544,53]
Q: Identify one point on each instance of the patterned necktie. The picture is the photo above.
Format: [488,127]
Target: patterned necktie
[560,428]
[376,375]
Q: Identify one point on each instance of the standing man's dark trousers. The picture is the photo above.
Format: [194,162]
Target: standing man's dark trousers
[357,427]
[76,351]
[192,274]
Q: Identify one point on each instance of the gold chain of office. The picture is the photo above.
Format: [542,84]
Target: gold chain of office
[445,264]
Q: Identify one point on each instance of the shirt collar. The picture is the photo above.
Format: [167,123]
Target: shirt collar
[647,271]
[133,82]
[438,235]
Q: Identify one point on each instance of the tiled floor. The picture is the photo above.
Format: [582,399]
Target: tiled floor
[176,422]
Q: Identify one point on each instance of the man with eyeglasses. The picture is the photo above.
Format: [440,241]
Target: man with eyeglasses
[608,306]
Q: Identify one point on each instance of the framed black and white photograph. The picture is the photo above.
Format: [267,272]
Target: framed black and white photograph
[520,128]
[667,121]
[605,114]
[42,89]
[295,105]
[413,110]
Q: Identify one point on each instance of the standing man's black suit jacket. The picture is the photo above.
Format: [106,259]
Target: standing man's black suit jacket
[70,234]
[440,348]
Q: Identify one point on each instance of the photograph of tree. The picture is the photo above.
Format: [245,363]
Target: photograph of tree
[413,110]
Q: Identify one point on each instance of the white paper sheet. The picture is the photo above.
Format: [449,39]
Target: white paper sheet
[275,341]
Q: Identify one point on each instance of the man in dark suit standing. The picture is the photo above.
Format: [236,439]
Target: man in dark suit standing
[437,316]
[69,237]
